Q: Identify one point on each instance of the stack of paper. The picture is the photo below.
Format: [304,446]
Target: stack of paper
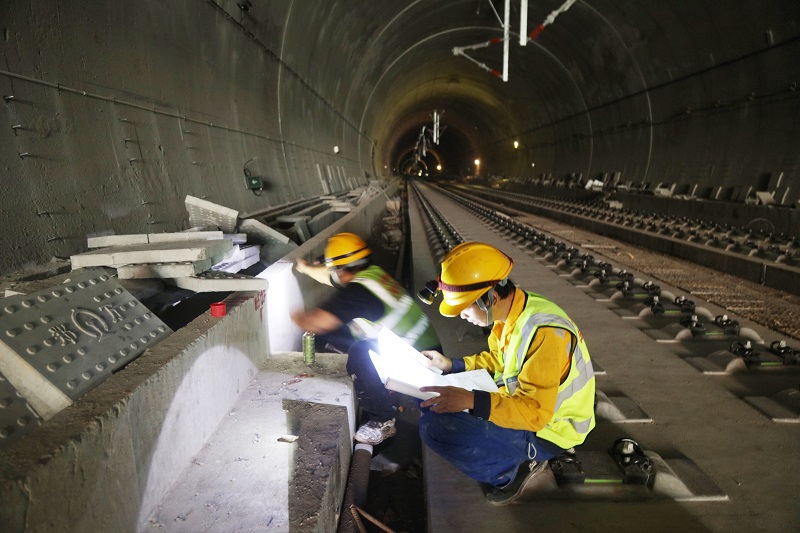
[403,369]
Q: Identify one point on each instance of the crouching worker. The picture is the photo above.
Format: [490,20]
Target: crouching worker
[545,402]
[348,322]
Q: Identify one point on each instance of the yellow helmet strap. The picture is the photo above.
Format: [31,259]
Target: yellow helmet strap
[486,306]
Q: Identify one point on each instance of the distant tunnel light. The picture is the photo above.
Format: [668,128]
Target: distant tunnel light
[438,167]
[477,162]
[335,149]
[516,145]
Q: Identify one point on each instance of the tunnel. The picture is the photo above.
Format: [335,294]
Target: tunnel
[105,107]
[117,113]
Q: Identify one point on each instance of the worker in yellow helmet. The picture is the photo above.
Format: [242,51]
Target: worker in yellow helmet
[540,362]
[368,299]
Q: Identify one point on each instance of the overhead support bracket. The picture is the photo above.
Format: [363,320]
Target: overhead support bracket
[549,20]
[506,39]
[460,50]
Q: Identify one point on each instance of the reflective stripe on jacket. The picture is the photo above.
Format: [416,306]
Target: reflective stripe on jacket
[402,315]
[573,416]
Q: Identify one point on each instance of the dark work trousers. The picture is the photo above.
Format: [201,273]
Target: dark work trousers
[373,398]
[336,341]
[481,449]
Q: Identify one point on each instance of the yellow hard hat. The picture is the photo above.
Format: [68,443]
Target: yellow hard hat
[344,249]
[468,271]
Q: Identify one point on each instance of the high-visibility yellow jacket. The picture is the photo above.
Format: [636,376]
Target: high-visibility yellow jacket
[541,363]
[402,315]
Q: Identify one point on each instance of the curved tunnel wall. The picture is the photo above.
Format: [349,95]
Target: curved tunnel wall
[114,112]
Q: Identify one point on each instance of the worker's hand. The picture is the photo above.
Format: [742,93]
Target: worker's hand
[438,360]
[301,265]
[318,273]
[450,399]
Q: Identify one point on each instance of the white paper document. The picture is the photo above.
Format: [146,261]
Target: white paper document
[391,344]
[403,369]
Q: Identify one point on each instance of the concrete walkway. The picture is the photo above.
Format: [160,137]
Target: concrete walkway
[276,461]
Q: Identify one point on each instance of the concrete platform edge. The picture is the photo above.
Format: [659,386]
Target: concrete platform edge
[105,462]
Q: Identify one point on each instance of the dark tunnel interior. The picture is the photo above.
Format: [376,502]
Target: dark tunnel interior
[645,130]
[116,112]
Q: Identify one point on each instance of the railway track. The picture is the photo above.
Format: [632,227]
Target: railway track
[775,309]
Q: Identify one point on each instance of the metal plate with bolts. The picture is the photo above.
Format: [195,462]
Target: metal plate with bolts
[16,417]
[58,343]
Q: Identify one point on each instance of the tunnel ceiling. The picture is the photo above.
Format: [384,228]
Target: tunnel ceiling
[549,79]
[601,67]
[115,111]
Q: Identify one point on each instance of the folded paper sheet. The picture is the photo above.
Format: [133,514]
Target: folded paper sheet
[403,369]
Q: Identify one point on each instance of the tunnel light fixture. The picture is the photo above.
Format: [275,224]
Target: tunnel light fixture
[335,149]
[477,162]
[439,168]
[516,145]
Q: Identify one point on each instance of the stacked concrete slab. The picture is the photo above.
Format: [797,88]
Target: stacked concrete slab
[202,259]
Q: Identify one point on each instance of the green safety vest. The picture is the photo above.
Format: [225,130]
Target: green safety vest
[573,417]
[401,313]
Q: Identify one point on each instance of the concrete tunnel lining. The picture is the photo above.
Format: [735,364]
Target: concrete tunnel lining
[115,112]
[662,95]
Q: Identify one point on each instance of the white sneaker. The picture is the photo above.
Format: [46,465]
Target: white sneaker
[375,432]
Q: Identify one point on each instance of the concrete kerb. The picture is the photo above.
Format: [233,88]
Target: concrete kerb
[105,462]
[278,461]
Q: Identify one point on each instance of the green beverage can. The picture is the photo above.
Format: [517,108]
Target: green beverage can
[309,350]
